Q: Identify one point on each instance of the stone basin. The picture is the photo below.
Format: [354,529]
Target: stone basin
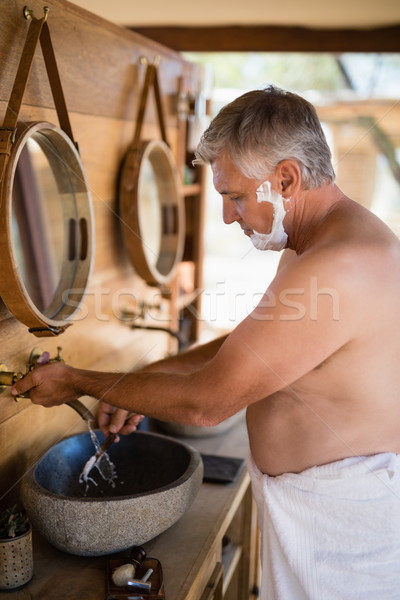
[158,479]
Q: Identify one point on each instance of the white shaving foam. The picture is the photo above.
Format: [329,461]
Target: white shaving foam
[277,238]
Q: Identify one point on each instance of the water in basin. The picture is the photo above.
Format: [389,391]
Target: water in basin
[104,465]
[140,468]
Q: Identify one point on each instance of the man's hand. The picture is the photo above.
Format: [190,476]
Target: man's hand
[48,385]
[113,420]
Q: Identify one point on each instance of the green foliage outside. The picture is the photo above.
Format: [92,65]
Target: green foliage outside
[366,74]
[250,70]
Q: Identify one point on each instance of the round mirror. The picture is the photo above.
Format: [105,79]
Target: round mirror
[152,211]
[46,232]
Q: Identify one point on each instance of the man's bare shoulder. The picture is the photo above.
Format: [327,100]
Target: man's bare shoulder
[353,247]
[344,277]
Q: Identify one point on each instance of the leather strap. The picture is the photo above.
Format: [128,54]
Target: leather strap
[151,80]
[160,111]
[21,78]
[38,29]
[55,81]
[7,132]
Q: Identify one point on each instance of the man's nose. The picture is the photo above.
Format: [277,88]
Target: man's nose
[229,212]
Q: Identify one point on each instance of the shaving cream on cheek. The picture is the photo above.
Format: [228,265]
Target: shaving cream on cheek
[277,238]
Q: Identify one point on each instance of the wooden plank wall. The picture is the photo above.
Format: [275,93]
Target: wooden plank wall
[101,76]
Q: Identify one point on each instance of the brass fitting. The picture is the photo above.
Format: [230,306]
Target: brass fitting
[8,378]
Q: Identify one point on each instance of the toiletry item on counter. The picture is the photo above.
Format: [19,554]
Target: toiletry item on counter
[134,576]
[122,574]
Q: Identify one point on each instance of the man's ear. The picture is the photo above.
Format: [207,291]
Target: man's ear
[289,177]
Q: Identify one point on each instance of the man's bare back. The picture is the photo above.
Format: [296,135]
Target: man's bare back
[348,404]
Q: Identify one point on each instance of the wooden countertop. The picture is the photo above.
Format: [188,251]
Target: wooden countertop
[188,550]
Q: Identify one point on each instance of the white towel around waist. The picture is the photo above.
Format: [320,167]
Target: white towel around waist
[331,532]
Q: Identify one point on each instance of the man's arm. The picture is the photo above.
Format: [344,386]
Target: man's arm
[185,362]
[60,383]
[292,331]
[188,361]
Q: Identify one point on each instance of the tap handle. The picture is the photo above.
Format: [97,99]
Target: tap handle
[58,357]
[37,353]
[8,378]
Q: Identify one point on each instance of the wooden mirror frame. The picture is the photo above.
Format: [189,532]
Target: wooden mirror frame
[75,272]
[172,212]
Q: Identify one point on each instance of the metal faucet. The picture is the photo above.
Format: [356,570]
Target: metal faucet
[8,378]
[174,333]
[82,410]
[128,315]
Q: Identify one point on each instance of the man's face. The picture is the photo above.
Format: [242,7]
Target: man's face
[239,196]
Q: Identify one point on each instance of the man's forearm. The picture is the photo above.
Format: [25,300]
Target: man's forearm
[187,362]
[166,396]
[184,397]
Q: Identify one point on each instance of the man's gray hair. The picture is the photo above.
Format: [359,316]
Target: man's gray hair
[263,127]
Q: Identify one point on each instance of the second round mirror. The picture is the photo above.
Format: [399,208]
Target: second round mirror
[152,211]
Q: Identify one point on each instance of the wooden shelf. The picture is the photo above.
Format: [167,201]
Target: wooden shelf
[186,301]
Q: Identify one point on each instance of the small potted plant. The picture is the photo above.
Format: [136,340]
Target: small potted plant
[16,558]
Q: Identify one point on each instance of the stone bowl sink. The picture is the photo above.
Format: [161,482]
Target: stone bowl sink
[158,478]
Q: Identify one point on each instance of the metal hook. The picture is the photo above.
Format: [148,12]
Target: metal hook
[143,60]
[29,14]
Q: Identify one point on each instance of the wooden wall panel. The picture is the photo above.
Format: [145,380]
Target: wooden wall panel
[101,77]
[98,61]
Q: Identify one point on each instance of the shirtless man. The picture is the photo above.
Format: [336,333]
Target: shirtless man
[315,364]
